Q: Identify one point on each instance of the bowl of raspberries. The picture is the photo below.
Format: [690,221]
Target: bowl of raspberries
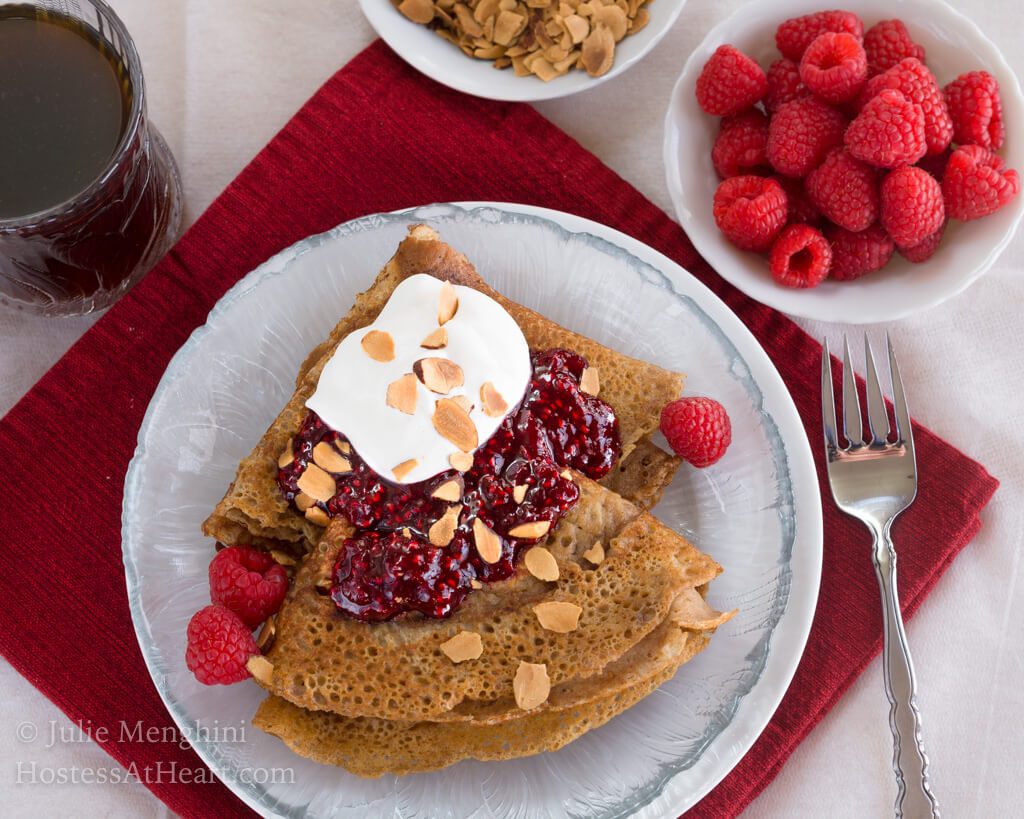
[847,165]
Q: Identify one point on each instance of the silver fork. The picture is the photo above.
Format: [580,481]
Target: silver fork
[874,481]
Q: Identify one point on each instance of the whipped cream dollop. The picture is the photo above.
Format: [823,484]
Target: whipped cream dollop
[352,393]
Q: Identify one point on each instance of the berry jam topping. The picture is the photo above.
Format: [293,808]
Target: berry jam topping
[390,567]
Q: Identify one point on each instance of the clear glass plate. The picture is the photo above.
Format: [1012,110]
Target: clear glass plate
[757,512]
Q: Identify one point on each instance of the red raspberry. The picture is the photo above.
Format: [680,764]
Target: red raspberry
[219,644]
[976,183]
[784,84]
[887,133]
[801,133]
[845,190]
[730,82]
[794,35]
[248,582]
[914,81]
[697,429]
[800,209]
[834,67]
[912,207]
[976,109]
[741,144]
[923,250]
[888,42]
[855,254]
[800,257]
[750,211]
[935,164]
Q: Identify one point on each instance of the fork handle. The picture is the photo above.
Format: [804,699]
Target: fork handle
[914,799]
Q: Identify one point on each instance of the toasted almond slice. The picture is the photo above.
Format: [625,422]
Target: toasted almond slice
[494,405]
[268,631]
[464,402]
[532,530]
[303,501]
[419,11]
[598,51]
[404,468]
[577,27]
[317,484]
[565,474]
[462,461]
[402,394]
[476,584]
[378,345]
[558,616]
[407,533]
[282,558]
[541,563]
[439,374]
[436,340]
[261,668]
[327,458]
[590,382]
[488,544]
[317,515]
[286,456]
[450,490]
[531,685]
[466,645]
[519,492]
[595,554]
[344,447]
[448,302]
[443,530]
[454,424]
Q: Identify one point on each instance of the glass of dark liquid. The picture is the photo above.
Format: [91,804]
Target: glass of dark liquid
[90,196]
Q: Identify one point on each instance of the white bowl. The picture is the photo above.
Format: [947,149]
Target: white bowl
[442,61]
[953,45]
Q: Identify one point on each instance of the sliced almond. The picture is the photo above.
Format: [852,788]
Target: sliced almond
[443,530]
[407,533]
[598,51]
[494,405]
[419,11]
[541,564]
[488,544]
[565,474]
[261,668]
[448,302]
[268,631]
[344,446]
[303,501]
[466,645]
[462,461]
[519,492]
[328,458]
[531,685]
[450,490]
[558,616]
[404,468]
[378,345]
[317,515]
[439,374]
[436,340]
[454,424]
[577,27]
[595,554]
[590,382]
[532,530]
[282,558]
[476,584]
[286,456]
[402,394]
[317,484]
[464,402]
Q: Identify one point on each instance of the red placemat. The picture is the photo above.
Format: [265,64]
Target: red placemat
[377,137]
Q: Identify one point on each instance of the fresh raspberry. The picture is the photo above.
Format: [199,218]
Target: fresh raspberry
[794,35]
[784,85]
[697,429]
[855,254]
[834,67]
[976,183]
[219,644]
[888,42]
[801,133]
[914,81]
[935,164]
[800,257]
[741,146]
[799,207]
[730,82]
[887,133]
[923,250]
[248,582]
[976,109]
[912,206]
[845,190]
[750,211]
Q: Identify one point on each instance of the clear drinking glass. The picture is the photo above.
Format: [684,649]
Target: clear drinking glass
[83,253]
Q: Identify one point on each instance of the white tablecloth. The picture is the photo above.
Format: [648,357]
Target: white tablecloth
[224,76]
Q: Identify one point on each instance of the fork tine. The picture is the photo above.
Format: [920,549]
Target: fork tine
[878,418]
[828,400]
[853,427]
[904,431]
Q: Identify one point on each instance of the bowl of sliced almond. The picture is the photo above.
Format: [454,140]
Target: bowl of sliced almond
[522,50]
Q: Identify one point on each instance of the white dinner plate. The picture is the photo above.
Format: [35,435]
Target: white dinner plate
[757,512]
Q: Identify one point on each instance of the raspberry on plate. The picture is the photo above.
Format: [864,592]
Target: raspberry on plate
[886,43]
[730,82]
[697,429]
[741,145]
[976,109]
[800,257]
[925,249]
[750,211]
[784,85]
[794,35]
[219,644]
[248,582]
[801,133]
[912,206]
[856,254]
[800,208]
[887,133]
[977,183]
[845,190]
[834,67]
[914,81]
